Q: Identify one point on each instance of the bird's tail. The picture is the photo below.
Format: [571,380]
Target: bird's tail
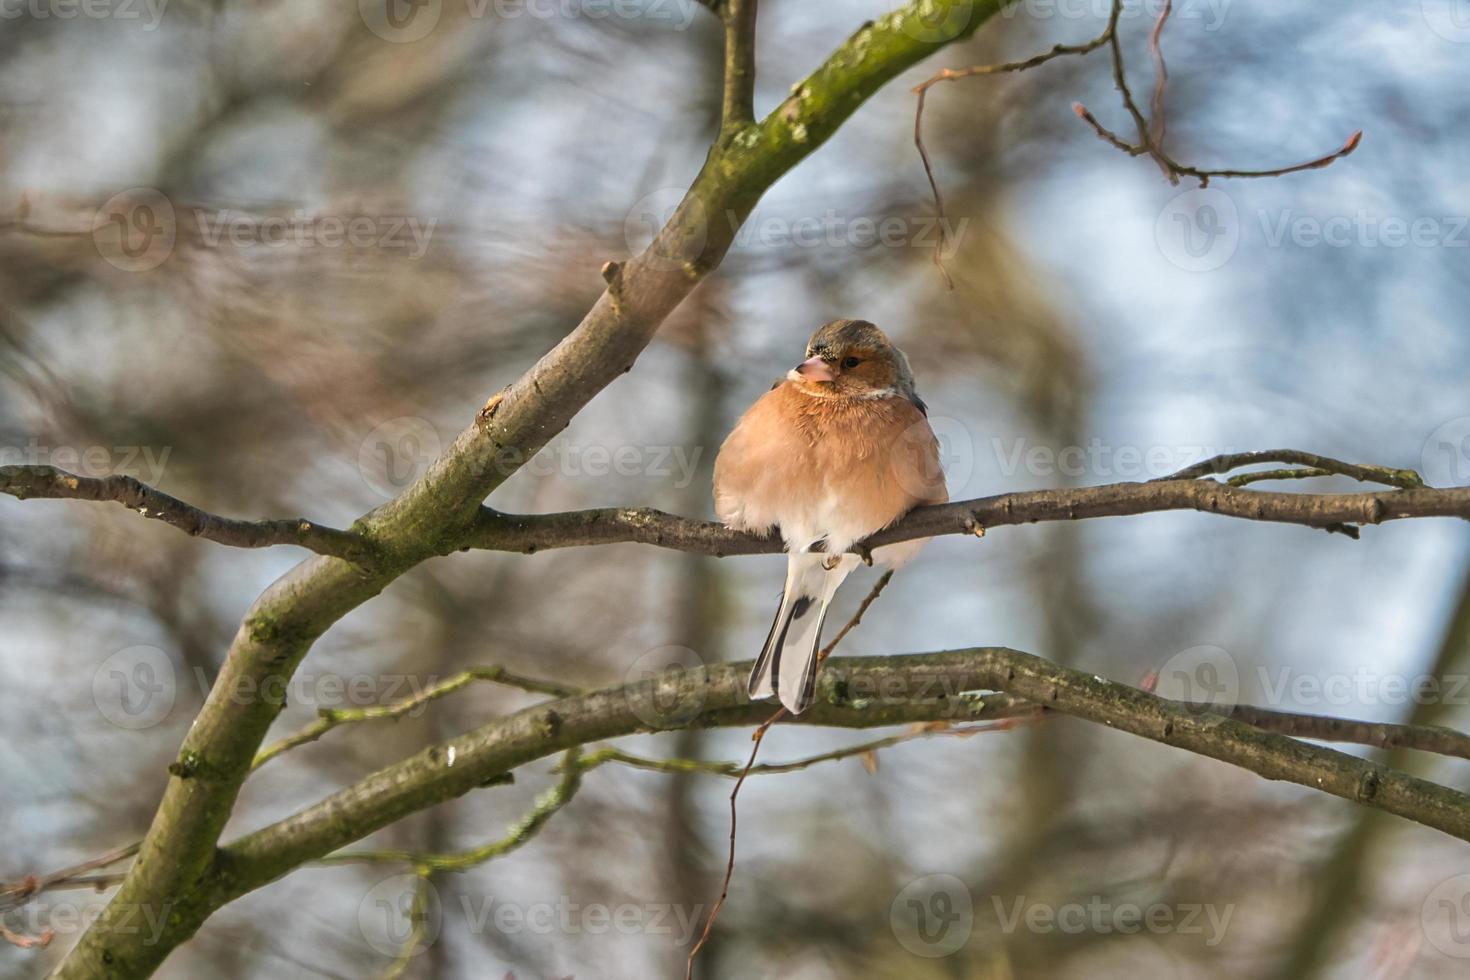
[787,666]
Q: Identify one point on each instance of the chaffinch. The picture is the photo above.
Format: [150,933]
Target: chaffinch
[836,451]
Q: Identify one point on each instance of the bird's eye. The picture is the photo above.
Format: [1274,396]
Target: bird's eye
[851,362]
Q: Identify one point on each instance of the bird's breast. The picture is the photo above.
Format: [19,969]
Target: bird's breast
[820,468]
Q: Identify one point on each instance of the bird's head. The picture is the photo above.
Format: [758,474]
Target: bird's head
[852,358]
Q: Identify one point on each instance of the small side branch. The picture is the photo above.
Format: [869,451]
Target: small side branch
[1151,129]
[24,482]
[330,718]
[1009,67]
[1350,731]
[1362,472]
[738,17]
[15,894]
[547,806]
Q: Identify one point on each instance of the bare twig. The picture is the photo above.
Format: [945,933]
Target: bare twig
[1383,735]
[857,617]
[1161,76]
[15,894]
[734,770]
[1151,132]
[25,941]
[547,806]
[757,737]
[330,718]
[1265,476]
[418,912]
[49,482]
[1362,472]
[953,74]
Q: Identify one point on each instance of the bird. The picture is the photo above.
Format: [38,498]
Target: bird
[837,450]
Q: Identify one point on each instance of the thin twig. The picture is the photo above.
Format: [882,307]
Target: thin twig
[952,74]
[758,736]
[1151,133]
[1362,472]
[1261,476]
[330,718]
[857,617]
[547,806]
[709,924]
[23,482]
[418,911]
[15,894]
[1161,77]
[24,941]
[734,770]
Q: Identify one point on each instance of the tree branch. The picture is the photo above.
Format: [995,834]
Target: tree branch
[330,718]
[1009,67]
[851,692]
[1379,734]
[531,533]
[997,711]
[1362,472]
[738,110]
[547,806]
[48,482]
[1151,132]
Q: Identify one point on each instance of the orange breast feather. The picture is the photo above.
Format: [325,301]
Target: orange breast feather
[835,467]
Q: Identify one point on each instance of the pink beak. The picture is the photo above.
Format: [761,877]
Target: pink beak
[815,369]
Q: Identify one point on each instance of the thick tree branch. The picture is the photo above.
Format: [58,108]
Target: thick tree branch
[436,512]
[998,711]
[852,692]
[24,482]
[532,533]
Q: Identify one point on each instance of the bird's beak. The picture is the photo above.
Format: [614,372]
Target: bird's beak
[815,369]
